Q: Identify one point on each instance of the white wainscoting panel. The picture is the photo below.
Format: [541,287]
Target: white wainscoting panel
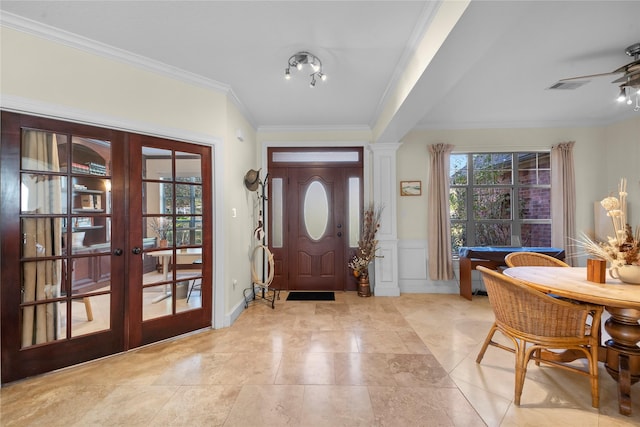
[413,274]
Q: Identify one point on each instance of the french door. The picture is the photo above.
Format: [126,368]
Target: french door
[80,263]
[171,227]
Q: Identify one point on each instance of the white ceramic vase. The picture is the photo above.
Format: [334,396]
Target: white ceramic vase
[626,273]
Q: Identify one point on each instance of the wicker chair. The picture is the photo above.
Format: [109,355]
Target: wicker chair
[534,322]
[532,259]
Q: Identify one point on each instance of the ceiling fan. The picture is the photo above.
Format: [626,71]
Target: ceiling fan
[630,80]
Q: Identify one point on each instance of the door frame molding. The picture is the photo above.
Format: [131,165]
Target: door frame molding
[31,107]
[306,145]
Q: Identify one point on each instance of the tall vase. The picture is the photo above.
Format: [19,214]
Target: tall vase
[364,289]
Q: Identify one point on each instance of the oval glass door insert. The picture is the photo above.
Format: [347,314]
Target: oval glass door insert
[316,210]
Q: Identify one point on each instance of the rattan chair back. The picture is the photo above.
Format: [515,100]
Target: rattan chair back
[532,259]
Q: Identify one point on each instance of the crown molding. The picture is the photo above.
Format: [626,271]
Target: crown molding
[329,128]
[85,44]
[38,108]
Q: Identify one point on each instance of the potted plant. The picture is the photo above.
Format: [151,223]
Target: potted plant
[161,227]
[367,247]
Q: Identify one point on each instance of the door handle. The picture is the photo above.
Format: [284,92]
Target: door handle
[339,225]
[339,233]
[117,252]
[136,250]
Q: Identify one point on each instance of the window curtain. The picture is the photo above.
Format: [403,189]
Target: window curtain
[563,200]
[42,237]
[438,224]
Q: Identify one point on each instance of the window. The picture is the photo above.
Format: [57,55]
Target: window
[500,199]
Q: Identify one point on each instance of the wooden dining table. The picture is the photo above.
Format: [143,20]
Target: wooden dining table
[621,301]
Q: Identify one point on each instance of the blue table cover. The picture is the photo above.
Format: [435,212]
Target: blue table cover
[497,253]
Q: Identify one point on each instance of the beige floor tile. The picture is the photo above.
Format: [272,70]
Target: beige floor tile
[409,406]
[198,406]
[267,405]
[332,406]
[306,368]
[379,361]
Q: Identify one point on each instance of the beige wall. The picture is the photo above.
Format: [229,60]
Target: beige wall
[37,69]
[602,156]
[48,78]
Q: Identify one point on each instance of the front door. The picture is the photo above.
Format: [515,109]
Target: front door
[315,200]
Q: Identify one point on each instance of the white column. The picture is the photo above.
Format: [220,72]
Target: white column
[385,191]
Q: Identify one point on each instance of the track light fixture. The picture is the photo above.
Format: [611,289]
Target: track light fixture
[300,59]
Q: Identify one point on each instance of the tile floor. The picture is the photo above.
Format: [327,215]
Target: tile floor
[379,361]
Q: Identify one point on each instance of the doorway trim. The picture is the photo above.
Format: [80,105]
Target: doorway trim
[366,161]
[21,105]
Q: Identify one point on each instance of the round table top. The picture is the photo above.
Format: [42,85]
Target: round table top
[571,282]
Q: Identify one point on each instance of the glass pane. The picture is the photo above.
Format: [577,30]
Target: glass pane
[544,177]
[458,236]
[491,203]
[90,274]
[458,203]
[90,194]
[188,167]
[42,237]
[189,290]
[43,323]
[156,301]
[535,235]
[276,211]
[544,160]
[316,210]
[90,314]
[535,203]
[354,212]
[188,230]
[492,234]
[160,228]
[157,198]
[164,263]
[41,280]
[43,194]
[188,199]
[153,267]
[492,168]
[43,151]
[320,156]
[156,163]
[458,169]
[90,156]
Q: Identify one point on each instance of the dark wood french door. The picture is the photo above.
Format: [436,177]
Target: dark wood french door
[171,227]
[80,260]
[312,206]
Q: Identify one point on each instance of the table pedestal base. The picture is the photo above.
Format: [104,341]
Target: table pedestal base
[623,354]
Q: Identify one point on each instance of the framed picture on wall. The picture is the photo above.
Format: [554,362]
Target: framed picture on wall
[410,188]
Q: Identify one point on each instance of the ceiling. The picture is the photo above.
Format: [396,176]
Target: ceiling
[493,70]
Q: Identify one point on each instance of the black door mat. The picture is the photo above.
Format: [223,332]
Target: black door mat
[311,296]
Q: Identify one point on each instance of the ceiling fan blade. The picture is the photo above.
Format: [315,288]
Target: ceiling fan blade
[631,66]
[626,77]
[588,76]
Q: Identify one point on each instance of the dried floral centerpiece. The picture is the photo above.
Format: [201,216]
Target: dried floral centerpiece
[367,245]
[622,249]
